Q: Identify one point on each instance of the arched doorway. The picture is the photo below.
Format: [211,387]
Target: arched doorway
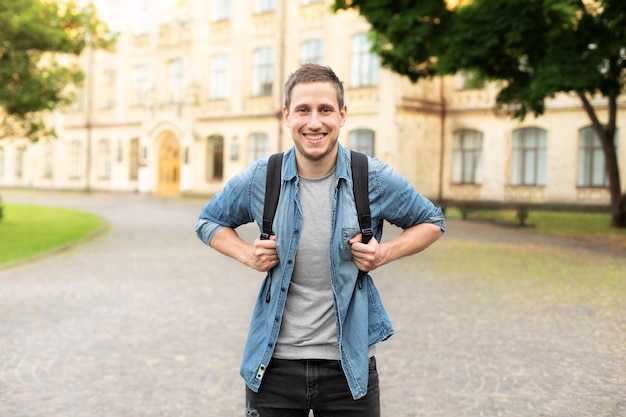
[169,167]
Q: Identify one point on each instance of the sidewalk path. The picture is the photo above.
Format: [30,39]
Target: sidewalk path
[146,321]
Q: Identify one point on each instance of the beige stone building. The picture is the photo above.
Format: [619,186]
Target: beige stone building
[193,93]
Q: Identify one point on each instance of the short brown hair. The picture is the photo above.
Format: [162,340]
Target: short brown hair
[310,73]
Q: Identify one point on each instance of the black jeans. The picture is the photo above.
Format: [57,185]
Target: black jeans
[291,388]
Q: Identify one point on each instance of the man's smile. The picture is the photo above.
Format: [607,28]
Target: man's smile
[314,137]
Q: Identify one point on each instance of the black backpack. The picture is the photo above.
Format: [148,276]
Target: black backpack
[359,188]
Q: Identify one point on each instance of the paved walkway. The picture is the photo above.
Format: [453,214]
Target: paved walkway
[146,321]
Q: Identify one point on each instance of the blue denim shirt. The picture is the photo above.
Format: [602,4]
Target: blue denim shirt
[360,316]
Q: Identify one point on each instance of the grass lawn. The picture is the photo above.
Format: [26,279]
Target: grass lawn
[27,230]
[590,226]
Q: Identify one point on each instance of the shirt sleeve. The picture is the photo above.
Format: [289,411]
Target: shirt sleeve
[399,203]
[228,208]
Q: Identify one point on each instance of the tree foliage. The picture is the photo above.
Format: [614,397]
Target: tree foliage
[535,49]
[34,35]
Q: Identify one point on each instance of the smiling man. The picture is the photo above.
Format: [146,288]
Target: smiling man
[314,329]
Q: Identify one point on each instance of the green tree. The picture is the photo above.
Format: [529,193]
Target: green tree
[36,37]
[533,48]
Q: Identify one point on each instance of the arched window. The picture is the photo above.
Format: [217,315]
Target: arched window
[74,159]
[258,147]
[364,65]
[262,72]
[467,165]
[175,77]
[312,52]
[362,140]
[529,158]
[264,6]
[220,77]
[220,10]
[103,159]
[591,160]
[48,158]
[214,158]
[20,154]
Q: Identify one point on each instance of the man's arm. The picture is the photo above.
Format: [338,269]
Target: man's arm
[261,255]
[412,240]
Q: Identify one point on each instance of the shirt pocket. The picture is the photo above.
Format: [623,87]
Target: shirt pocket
[347,233]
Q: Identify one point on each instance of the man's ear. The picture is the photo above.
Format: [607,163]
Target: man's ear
[286,116]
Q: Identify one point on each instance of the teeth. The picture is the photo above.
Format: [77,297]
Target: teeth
[315,137]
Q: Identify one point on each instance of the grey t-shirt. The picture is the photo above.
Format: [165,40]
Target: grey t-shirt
[308,329]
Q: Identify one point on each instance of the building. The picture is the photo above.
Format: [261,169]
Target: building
[193,93]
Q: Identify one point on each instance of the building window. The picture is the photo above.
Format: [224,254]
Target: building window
[1,162]
[262,72]
[74,159]
[48,158]
[78,99]
[175,80]
[108,90]
[215,158]
[528,164]
[312,52]
[220,77]
[467,165]
[19,161]
[364,65]
[103,159]
[141,75]
[304,2]
[258,147]
[263,6]
[591,160]
[220,10]
[143,20]
[133,159]
[362,140]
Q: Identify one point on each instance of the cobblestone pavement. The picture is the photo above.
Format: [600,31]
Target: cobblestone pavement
[144,320]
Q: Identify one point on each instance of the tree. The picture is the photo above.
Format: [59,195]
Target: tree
[34,34]
[533,48]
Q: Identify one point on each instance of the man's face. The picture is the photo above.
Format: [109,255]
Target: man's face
[314,119]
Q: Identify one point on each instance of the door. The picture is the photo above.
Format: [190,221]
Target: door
[169,168]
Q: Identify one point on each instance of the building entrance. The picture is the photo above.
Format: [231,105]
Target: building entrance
[169,167]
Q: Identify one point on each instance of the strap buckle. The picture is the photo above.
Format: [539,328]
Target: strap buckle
[366,235]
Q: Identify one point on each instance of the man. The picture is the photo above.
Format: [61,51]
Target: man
[317,319]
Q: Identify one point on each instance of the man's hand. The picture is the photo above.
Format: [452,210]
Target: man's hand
[365,255]
[262,255]
[411,241]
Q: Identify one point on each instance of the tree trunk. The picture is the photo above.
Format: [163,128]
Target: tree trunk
[618,214]
[606,133]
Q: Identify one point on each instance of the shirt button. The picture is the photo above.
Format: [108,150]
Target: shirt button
[290,262]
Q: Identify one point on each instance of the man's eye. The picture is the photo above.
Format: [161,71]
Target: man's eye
[301,110]
[326,110]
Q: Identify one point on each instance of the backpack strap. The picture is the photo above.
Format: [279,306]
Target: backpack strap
[361,194]
[272,192]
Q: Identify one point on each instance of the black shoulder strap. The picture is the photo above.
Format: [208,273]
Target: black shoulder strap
[272,192]
[359,188]
[361,195]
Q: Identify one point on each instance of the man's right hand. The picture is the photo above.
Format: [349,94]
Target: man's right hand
[262,255]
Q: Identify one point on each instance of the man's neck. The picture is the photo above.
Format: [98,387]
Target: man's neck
[315,168]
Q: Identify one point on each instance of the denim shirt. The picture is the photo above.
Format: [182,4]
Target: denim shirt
[360,316]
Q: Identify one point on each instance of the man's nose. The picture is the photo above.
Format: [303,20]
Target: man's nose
[314,122]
